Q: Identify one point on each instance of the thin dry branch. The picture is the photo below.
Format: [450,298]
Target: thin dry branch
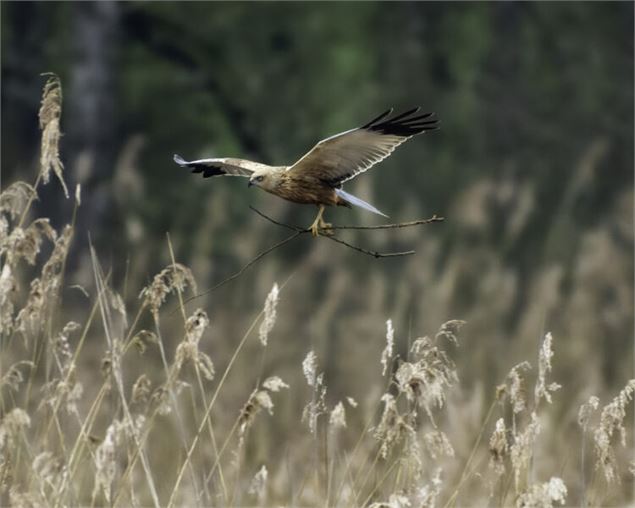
[373,253]
[397,225]
[328,233]
[325,233]
[240,272]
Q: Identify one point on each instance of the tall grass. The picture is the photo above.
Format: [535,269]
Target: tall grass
[128,407]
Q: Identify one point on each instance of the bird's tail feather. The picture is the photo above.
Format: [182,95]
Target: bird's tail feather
[353,200]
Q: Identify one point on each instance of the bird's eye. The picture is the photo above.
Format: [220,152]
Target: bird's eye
[260,178]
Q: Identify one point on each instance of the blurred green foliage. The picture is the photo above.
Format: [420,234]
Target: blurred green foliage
[526,85]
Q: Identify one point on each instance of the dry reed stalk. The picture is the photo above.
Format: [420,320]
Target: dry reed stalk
[611,429]
[210,406]
[159,394]
[186,350]
[584,415]
[465,474]
[358,444]
[12,428]
[115,349]
[174,278]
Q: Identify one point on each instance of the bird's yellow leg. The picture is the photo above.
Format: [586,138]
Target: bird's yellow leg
[326,226]
[315,227]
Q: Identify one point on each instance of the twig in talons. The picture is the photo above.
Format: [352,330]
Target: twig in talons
[329,233]
[398,225]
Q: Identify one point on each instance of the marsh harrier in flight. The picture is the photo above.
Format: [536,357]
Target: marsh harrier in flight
[318,176]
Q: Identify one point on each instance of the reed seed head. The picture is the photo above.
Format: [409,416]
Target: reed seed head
[50,113]
[175,277]
[543,495]
[610,427]
[543,390]
[386,355]
[14,199]
[337,420]
[258,485]
[516,388]
[270,311]
[309,368]
[498,448]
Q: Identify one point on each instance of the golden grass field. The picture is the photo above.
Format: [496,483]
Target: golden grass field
[131,397]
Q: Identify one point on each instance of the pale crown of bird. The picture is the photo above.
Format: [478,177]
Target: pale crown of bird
[267,179]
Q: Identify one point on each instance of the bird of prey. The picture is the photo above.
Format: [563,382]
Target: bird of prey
[318,176]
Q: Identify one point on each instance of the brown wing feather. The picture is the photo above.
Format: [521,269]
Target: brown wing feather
[341,157]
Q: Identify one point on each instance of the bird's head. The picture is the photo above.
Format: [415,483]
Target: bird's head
[263,178]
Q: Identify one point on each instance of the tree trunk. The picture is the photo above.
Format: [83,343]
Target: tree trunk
[90,99]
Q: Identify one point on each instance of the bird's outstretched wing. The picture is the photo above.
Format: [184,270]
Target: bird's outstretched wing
[341,157]
[220,167]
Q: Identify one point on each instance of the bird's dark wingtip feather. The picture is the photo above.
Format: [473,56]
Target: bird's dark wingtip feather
[199,168]
[405,124]
[406,113]
[208,171]
[375,120]
[212,171]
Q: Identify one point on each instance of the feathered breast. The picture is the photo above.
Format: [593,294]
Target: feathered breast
[305,189]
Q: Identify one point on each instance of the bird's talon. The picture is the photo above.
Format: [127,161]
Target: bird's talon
[326,229]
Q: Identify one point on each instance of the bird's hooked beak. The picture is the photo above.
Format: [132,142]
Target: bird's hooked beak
[250,183]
